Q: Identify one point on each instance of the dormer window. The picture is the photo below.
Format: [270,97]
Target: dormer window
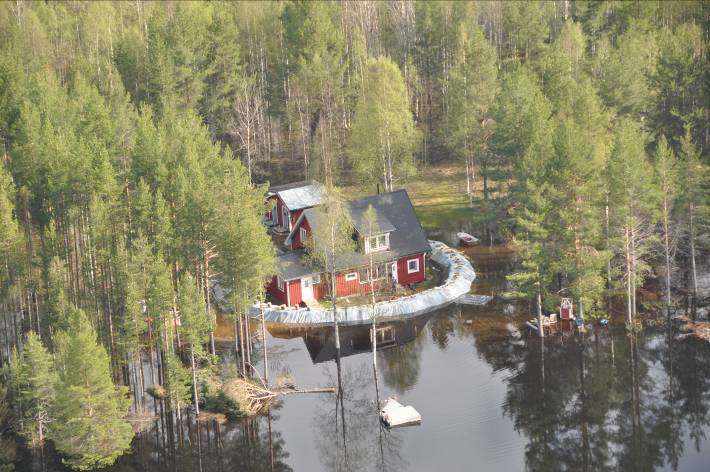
[381,242]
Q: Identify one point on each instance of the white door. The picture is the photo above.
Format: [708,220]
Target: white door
[307,289]
[394,272]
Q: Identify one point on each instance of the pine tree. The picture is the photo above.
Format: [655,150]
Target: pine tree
[246,259]
[88,427]
[666,180]
[37,382]
[177,383]
[383,137]
[694,199]
[633,204]
[195,326]
[8,448]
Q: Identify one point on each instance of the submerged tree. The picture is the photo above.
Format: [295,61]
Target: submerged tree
[694,199]
[34,380]
[194,328]
[666,180]
[632,207]
[8,448]
[88,427]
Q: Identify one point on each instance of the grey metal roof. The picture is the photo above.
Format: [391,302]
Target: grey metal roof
[291,266]
[304,196]
[274,189]
[395,212]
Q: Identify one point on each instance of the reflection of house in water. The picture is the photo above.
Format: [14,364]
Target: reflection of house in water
[320,342]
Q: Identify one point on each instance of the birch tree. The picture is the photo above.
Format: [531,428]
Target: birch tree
[248,105]
[331,238]
[383,138]
[474,84]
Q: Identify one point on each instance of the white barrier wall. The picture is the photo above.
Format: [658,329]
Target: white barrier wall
[457,283]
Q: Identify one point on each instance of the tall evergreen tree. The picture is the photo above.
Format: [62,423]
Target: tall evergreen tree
[695,203]
[8,448]
[195,326]
[35,381]
[666,180]
[88,428]
[632,207]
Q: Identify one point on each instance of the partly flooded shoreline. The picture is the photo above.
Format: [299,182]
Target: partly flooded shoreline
[490,394]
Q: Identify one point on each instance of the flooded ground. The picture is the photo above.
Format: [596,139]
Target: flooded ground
[491,398]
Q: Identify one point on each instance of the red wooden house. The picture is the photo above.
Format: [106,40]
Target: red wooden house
[287,202]
[400,247]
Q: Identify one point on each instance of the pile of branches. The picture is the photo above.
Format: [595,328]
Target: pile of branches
[254,396]
[699,329]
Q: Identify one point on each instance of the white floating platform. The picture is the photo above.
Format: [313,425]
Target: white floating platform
[395,414]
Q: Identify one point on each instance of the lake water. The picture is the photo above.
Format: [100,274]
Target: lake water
[491,396]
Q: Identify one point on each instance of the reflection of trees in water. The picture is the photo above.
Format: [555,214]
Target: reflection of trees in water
[400,366]
[609,402]
[249,444]
[348,431]
[441,327]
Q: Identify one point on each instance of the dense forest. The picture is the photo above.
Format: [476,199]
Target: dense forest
[136,139]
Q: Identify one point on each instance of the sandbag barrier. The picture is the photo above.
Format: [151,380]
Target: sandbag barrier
[458,282]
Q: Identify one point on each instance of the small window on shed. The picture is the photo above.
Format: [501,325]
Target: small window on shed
[351,276]
[303,235]
[412,266]
[280,282]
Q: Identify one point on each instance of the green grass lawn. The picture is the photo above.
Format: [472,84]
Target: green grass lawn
[438,194]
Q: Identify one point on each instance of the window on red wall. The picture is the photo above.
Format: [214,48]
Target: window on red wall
[412,266]
[303,235]
[280,282]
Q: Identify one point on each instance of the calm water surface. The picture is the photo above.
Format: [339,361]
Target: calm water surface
[491,398]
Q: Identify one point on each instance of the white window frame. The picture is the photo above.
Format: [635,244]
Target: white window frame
[280,282]
[409,268]
[303,234]
[378,246]
[351,276]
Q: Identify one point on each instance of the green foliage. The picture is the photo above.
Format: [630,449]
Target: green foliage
[120,124]
[176,389]
[221,402]
[34,379]
[331,233]
[195,325]
[7,441]
[88,427]
[383,138]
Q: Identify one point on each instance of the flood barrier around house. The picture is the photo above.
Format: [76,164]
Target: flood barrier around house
[460,275]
